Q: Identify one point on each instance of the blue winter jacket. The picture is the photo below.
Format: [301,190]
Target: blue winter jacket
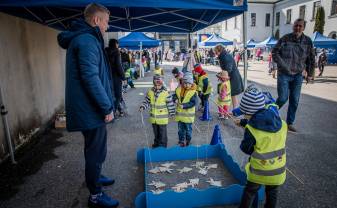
[88,81]
[265,120]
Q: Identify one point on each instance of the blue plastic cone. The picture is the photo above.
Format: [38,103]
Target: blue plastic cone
[206,116]
[216,138]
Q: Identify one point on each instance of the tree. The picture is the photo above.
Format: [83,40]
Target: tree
[319,20]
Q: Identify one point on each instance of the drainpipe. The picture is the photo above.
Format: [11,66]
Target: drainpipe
[4,113]
[272,26]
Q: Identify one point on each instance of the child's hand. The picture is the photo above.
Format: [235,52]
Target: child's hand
[141,109]
[237,122]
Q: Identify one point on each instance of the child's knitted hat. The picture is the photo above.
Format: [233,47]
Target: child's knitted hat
[188,78]
[252,100]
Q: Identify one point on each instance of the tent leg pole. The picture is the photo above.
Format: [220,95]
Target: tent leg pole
[4,113]
[244,39]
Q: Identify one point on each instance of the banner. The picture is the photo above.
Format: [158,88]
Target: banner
[203,37]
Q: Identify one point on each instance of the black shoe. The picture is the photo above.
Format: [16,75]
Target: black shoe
[102,201]
[187,143]
[291,128]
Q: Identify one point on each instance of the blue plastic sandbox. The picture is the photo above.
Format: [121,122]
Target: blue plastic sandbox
[192,197]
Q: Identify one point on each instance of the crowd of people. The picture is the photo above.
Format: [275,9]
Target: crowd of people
[94,83]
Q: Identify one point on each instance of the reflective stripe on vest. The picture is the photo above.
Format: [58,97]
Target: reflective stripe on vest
[185,115]
[267,164]
[201,84]
[227,99]
[158,111]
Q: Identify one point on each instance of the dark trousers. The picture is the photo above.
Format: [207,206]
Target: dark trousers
[95,150]
[117,87]
[160,135]
[321,69]
[289,86]
[204,99]
[184,132]
[250,192]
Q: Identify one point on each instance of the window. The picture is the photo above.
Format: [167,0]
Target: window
[235,23]
[226,26]
[288,16]
[315,8]
[277,21]
[267,20]
[253,19]
[302,12]
[334,7]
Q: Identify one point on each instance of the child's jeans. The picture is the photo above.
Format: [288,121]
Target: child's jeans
[184,132]
[160,135]
[250,192]
[223,110]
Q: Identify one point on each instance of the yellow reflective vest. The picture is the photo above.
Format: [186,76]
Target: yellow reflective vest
[201,85]
[267,164]
[158,108]
[227,99]
[185,115]
[158,71]
[128,73]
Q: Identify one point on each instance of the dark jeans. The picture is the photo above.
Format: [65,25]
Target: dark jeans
[95,150]
[321,69]
[250,192]
[184,132]
[160,135]
[204,99]
[289,86]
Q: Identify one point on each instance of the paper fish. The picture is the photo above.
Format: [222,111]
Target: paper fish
[180,187]
[168,164]
[184,170]
[212,166]
[165,169]
[194,182]
[157,184]
[203,171]
[214,183]
[198,164]
[154,170]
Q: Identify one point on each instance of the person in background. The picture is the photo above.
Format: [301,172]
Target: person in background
[88,97]
[265,141]
[322,60]
[204,84]
[186,98]
[158,70]
[227,63]
[224,94]
[161,107]
[178,75]
[117,73]
[294,56]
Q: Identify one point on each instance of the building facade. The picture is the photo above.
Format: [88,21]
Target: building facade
[266,18]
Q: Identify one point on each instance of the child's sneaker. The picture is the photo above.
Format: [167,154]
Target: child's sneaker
[102,201]
[105,181]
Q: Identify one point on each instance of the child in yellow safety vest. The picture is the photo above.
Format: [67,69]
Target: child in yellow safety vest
[204,85]
[158,70]
[161,106]
[224,94]
[186,97]
[264,140]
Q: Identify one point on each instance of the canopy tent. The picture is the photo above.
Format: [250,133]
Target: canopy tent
[132,15]
[269,42]
[321,41]
[251,43]
[214,40]
[137,40]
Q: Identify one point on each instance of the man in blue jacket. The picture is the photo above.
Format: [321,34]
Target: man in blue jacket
[89,100]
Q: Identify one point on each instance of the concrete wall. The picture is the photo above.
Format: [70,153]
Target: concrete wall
[31,76]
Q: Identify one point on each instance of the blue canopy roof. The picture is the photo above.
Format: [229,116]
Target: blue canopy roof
[322,41]
[133,40]
[214,40]
[131,15]
[251,43]
[269,42]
